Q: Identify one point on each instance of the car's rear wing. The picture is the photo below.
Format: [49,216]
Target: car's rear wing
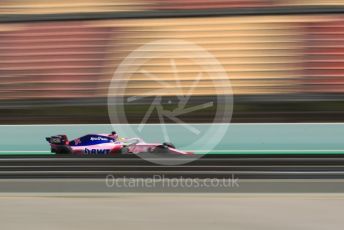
[58,139]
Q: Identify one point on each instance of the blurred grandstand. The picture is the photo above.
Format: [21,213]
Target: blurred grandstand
[285,58]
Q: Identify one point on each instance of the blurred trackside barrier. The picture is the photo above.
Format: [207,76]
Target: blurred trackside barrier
[239,139]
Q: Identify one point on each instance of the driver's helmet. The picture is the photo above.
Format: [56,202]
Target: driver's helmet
[114,135]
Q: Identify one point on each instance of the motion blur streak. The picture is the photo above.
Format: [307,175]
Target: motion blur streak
[282,67]
[261,55]
[65,6]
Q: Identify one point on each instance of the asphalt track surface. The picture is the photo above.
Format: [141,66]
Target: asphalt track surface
[174,211]
[244,167]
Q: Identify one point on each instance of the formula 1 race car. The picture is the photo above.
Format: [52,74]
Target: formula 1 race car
[108,144]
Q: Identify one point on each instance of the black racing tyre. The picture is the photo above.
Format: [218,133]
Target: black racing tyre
[168,144]
[124,150]
[160,149]
[63,150]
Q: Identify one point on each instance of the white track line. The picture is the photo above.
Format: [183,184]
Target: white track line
[221,151]
[232,124]
[23,151]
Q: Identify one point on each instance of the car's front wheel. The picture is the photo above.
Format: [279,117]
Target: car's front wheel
[124,150]
[169,144]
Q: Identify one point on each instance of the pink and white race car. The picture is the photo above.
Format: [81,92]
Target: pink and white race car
[108,144]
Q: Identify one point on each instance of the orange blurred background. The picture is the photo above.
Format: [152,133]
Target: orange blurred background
[283,66]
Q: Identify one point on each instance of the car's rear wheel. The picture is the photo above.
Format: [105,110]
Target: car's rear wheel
[61,150]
